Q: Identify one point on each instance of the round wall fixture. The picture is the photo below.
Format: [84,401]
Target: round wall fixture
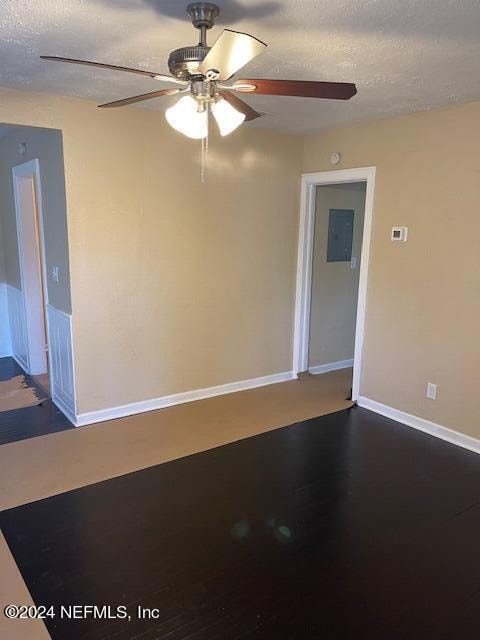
[335,157]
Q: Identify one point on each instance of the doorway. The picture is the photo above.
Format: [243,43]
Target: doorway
[337,241]
[29,219]
[36,312]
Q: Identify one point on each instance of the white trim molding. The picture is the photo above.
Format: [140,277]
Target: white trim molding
[305,261]
[179,398]
[433,429]
[331,366]
[30,240]
[5,340]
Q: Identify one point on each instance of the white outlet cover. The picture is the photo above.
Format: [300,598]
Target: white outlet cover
[431,391]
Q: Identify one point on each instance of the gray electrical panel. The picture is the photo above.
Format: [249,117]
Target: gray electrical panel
[340,235]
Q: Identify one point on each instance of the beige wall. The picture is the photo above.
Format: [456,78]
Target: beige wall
[175,285]
[334,284]
[46,145]
[423,304]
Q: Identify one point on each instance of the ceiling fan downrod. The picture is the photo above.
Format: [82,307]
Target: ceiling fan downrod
[203,15]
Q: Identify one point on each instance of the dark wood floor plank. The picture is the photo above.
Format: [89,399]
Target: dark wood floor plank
[28,422]
[348,526]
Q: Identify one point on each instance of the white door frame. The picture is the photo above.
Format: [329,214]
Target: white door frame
[37,328]
[305,262]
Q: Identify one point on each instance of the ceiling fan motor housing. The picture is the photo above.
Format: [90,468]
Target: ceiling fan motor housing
[183,63]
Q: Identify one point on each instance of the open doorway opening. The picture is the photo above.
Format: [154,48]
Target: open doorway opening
[343,230]
[337,248]
[36,355]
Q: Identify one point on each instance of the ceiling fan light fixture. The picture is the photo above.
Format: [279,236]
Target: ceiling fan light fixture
[186,117]
[226,116]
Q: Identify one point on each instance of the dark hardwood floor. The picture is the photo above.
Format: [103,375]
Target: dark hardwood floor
[348,526]
[28,422]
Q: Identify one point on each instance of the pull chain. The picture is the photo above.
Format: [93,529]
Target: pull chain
[204,154]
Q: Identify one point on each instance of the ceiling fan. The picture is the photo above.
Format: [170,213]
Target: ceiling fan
[205,74]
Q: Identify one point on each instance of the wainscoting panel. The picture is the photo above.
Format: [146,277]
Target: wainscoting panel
[18,326]
[5,342]
[61,361]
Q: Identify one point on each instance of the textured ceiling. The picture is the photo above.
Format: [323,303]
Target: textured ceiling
[404,55]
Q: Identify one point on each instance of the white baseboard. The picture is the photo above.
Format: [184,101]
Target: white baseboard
[21,362]
[331,366]
[437,430]
[179,398]
[65,410]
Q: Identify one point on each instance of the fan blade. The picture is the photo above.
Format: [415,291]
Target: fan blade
[240,105]
[230,53]
[299,88]
[102,65]
[144,96]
